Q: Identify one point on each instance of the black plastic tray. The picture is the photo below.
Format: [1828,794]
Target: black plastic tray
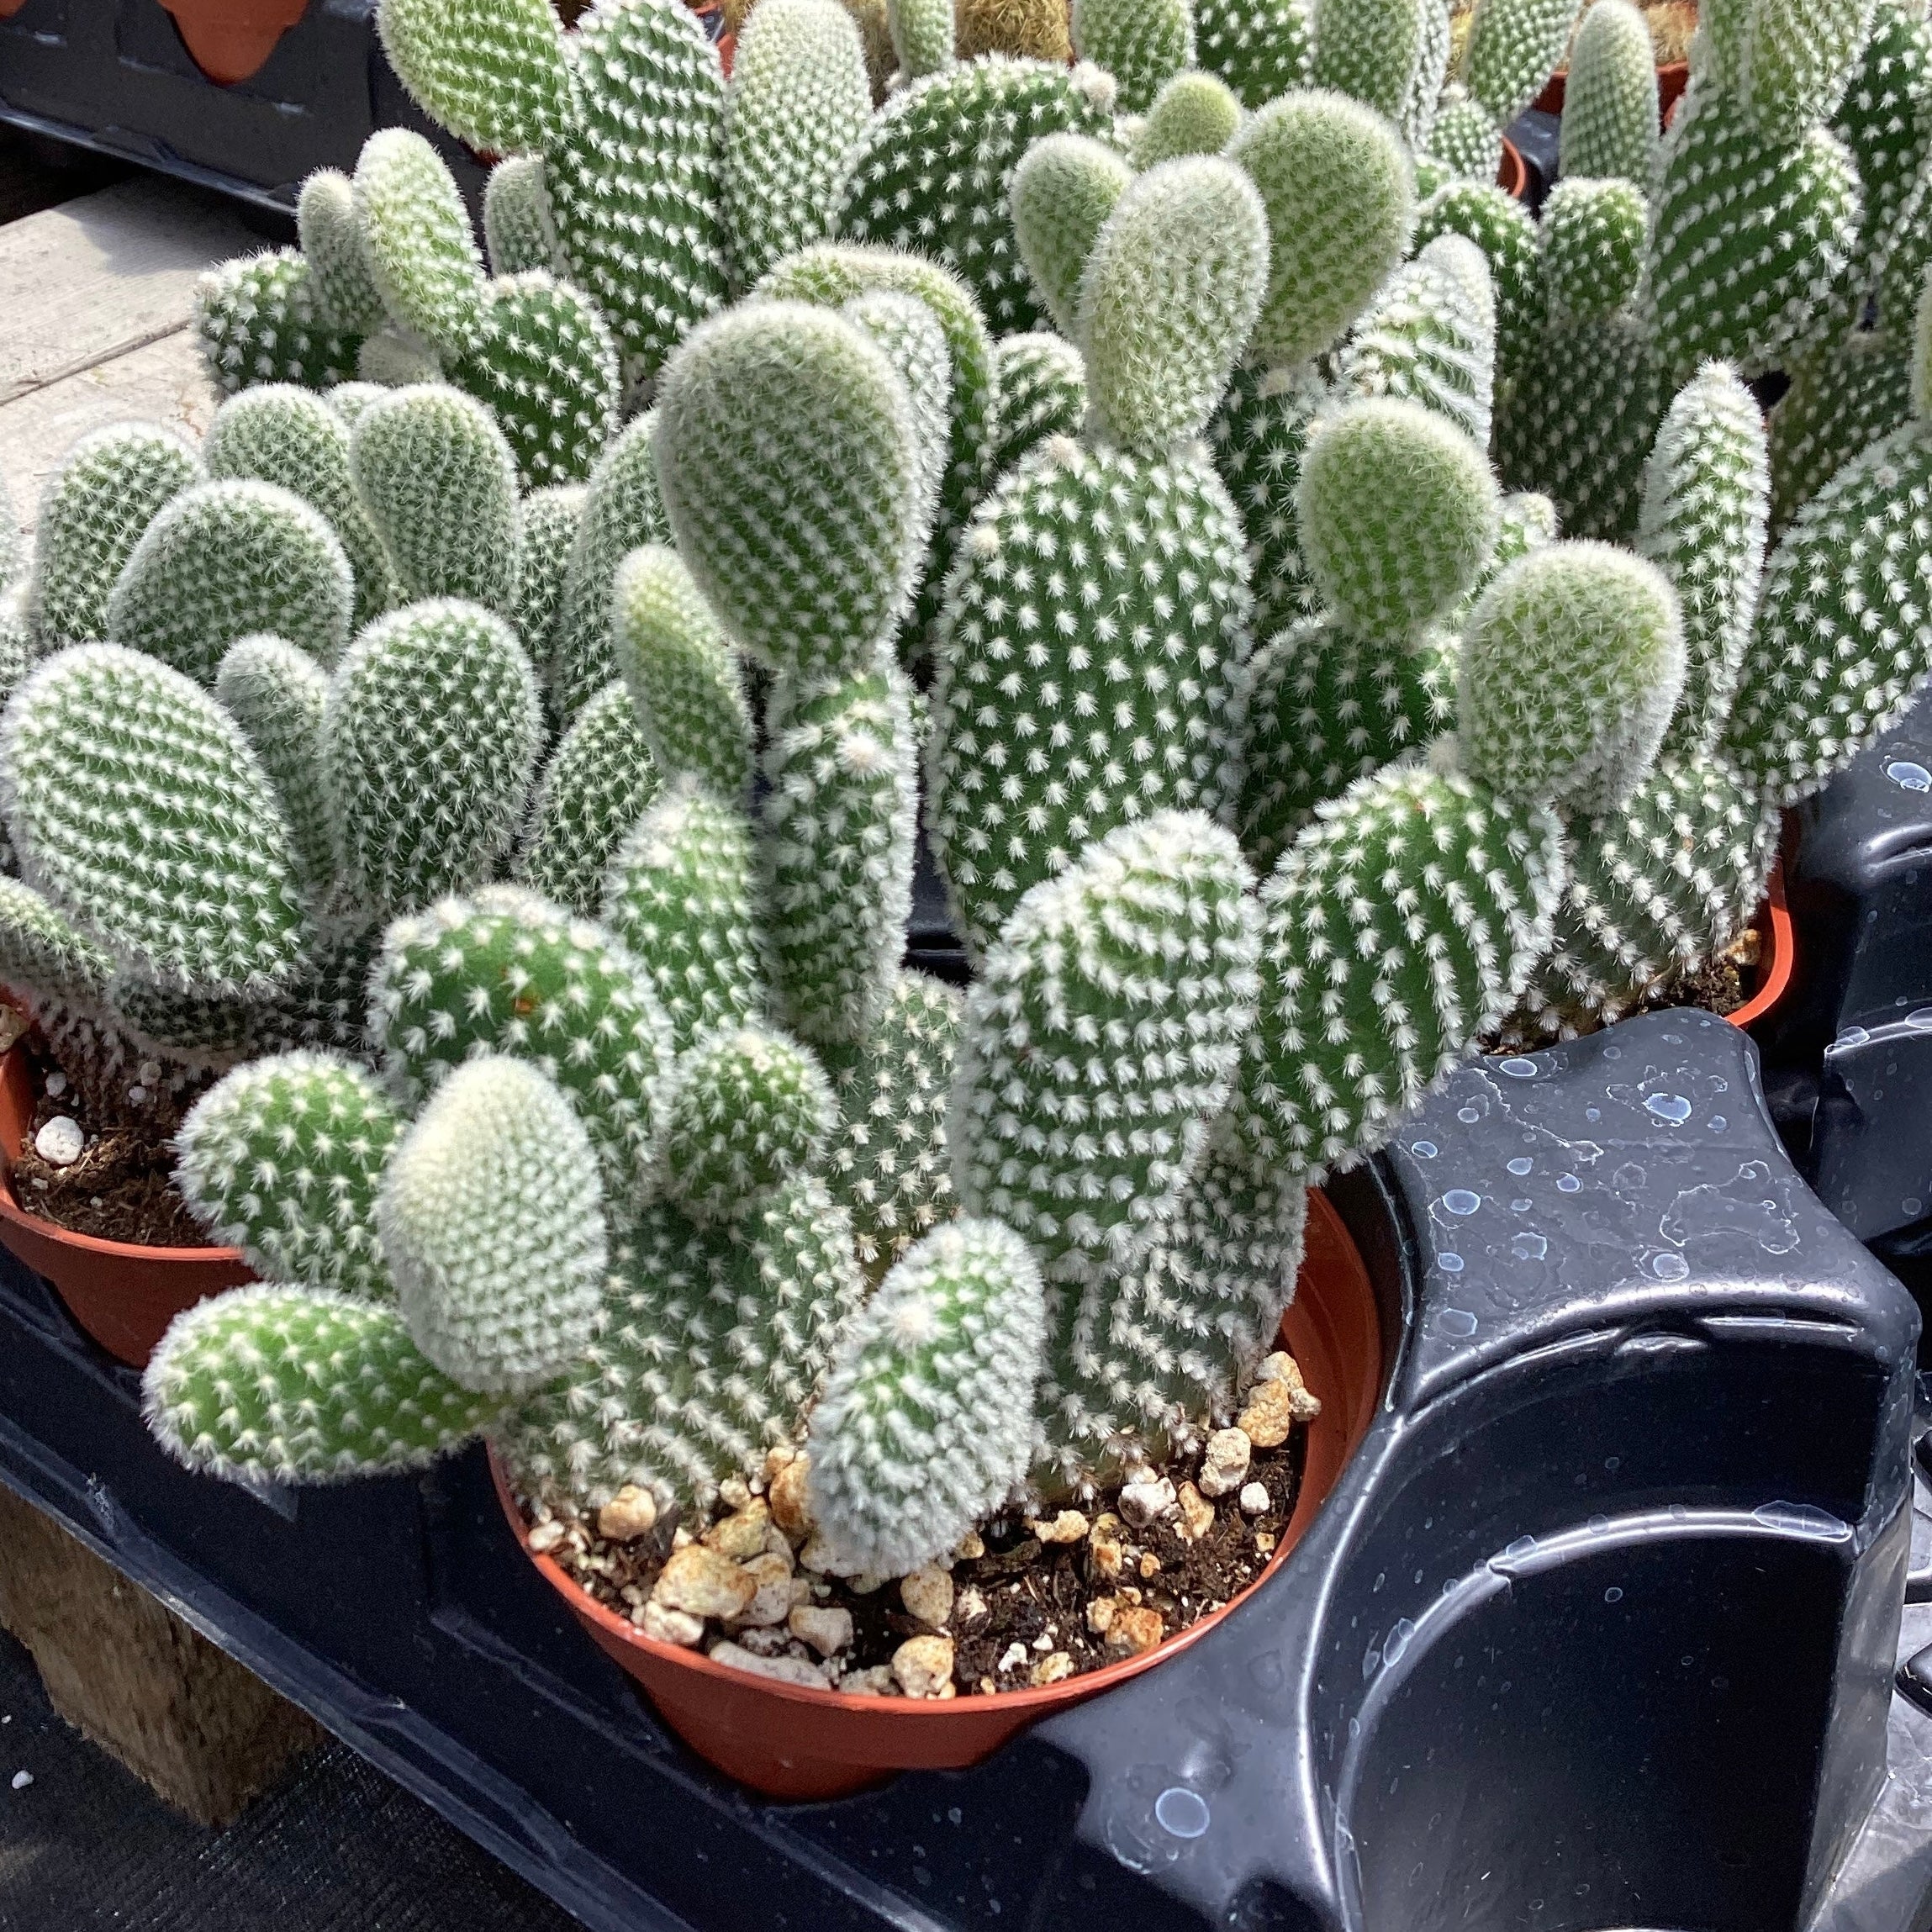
[1597,1630]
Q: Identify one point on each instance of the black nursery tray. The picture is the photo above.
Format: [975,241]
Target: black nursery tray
[1598,1630]
[114,75]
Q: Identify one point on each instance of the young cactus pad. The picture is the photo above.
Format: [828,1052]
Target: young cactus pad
[297,1384]
[789,459]
[491,1217]
[926,1421]
[134,802]
[281,1160]
[1101,1037]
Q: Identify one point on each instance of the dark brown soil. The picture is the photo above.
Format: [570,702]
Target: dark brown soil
[1718,985]
[121,1188]
[1037,1597]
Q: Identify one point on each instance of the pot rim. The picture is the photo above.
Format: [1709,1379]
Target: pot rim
[12,1066]
[1033,1699]
[1781,963]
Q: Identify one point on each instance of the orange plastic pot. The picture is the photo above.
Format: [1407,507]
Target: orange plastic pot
[791,1741]
[123,1295]
[1513,171]
[231,39]
[1672,79]
[1779,960]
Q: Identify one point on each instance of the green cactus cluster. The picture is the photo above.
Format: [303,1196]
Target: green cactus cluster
[1320,626]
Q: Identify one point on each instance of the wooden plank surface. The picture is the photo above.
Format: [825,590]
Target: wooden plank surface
[100,276]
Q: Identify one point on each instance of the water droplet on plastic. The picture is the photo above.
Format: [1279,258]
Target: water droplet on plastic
[1670,1267]
[1398,1640]
[1424,1150]
[1912,1205]
[1181,1812]
[1530,1246]
[1517,1069]
[1672,1107]
[1521,1165]
[1456,1322]
[1568,1184]
[1610,1462]
[1920,1019]
[1613,1595]
[1371,1662]
[1593,1113]
[1851,1036]
[1613,1053]
[1802,1519]
[1718,1123]
[1460,1201]
[1469,1115]
[1524,1546]
[1450,1264]
[1597,1524]
[1914,777]
[1521,1205]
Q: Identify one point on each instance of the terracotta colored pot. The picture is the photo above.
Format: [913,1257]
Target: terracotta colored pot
[792,1742]
[124,1295]
[1671,81]
[1779,958]
[231,40]
[1513,171]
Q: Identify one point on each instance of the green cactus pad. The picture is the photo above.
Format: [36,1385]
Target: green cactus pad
[1144,948]
[681,895]
[293,1385]
[1258,438]
[1042,386]
[1337,186]
[346,295]
[430,740]
[493,71]
[134,803]
[1397,511]
[42,955]
[1368,49]
[282,435]
[1194,114]
[439,482]
[258,319]
[927,1417]
[887,1161]
[1572,662]
[933,170]
[277,693]
[520,231]
[780,426]
[1593,234]
[1260,51]
[1169,297]
[417,241]
[552,519]
[1064,190]
[1513,47]
[108,488]
[281,1160]
[1400,927]
[506,971]
[1141,43]
[492,1222]
[1008,804]
[799,99]
[1609,125]
[600,779]
[1842,398]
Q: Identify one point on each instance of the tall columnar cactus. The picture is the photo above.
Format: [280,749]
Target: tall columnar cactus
[926,1421]
[931,172]
[798,100]
[1609,127]
[1167,297]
